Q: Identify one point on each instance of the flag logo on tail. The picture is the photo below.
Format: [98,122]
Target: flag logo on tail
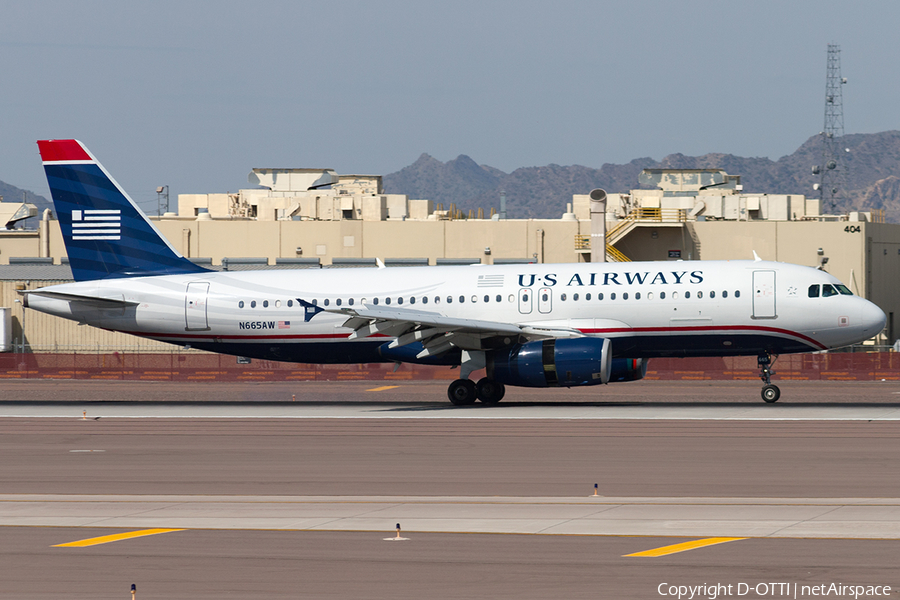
[96,224]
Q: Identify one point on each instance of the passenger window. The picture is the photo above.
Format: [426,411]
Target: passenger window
[612,296]
[350,301]
[375,301]
[844,290]
[278,304]
[241,304]
[512,298]
[561,297]
[424,299]
[449,299]
[828,290]
[637,296]
[737,293]
[266,303]
[474,298]
[437,299]
[338,301]
[291,303]
[625,296]
[674,295]
[253,304]
[600,296]
[699,294]
[724,294]
[587,296]
[487,298]
[400,300]
[574,296]
[662,295]
[462,299]
[387,300]
[543,298]
[412,299]
[687,295]
[499,298]
[712,294]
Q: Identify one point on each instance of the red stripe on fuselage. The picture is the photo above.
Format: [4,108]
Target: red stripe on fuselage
[710,329]
[58,150]
[338,336]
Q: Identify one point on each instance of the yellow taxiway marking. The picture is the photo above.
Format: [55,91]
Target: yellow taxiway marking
[113,538]
[382,388]
[676,548]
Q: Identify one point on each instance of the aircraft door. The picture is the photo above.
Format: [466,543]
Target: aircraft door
[195,300]
[545,300]
[764,295]
[525,301]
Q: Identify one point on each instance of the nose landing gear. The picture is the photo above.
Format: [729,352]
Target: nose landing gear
[770,392]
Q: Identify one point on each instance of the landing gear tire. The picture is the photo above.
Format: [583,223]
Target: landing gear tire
[489,391]
[770,392]
[462,392]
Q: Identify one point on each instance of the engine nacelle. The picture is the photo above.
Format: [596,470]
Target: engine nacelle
[628,369]
[552,363]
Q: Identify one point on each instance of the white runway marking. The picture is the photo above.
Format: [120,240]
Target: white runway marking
[861,518]
[761,412]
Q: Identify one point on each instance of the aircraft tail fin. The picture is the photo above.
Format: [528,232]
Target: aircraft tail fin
[106,234]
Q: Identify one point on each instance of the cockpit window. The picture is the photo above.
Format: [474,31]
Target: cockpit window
[844,290]
[814,290]
[828,290]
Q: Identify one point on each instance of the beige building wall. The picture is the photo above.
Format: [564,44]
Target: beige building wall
[865,256]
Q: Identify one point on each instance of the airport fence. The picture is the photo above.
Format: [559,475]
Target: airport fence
[206,367]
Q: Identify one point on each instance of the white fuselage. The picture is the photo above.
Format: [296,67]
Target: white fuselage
[646,309]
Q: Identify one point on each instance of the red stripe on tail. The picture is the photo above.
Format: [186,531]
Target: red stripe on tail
[56,150]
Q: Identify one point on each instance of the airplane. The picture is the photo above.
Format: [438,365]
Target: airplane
[535,325]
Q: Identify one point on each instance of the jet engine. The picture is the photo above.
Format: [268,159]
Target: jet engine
[552,363]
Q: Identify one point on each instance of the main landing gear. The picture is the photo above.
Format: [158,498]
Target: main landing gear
[770,392]
[463,392]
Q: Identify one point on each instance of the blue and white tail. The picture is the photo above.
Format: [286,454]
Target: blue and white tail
[106,234]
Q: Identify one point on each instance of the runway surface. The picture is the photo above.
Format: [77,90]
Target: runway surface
[277,498]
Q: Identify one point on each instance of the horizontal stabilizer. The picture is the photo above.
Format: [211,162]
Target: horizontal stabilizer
[95,301]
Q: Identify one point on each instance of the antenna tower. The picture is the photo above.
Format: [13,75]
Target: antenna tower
[832,185]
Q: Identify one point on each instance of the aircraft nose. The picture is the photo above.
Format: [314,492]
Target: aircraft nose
[871,318]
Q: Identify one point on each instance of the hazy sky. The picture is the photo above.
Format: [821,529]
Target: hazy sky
[195,94]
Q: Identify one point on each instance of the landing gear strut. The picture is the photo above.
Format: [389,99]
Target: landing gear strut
[770,392]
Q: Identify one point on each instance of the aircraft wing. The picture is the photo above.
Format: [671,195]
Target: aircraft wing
[436,332]
[92,301]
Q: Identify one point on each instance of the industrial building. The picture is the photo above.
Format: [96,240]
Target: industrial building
[316,218]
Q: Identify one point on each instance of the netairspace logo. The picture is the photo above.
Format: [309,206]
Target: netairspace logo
[772,590]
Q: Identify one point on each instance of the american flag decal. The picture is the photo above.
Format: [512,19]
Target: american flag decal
[96,224]
[490,281]
[284,324]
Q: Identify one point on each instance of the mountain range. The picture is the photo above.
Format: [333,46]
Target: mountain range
[872,163]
